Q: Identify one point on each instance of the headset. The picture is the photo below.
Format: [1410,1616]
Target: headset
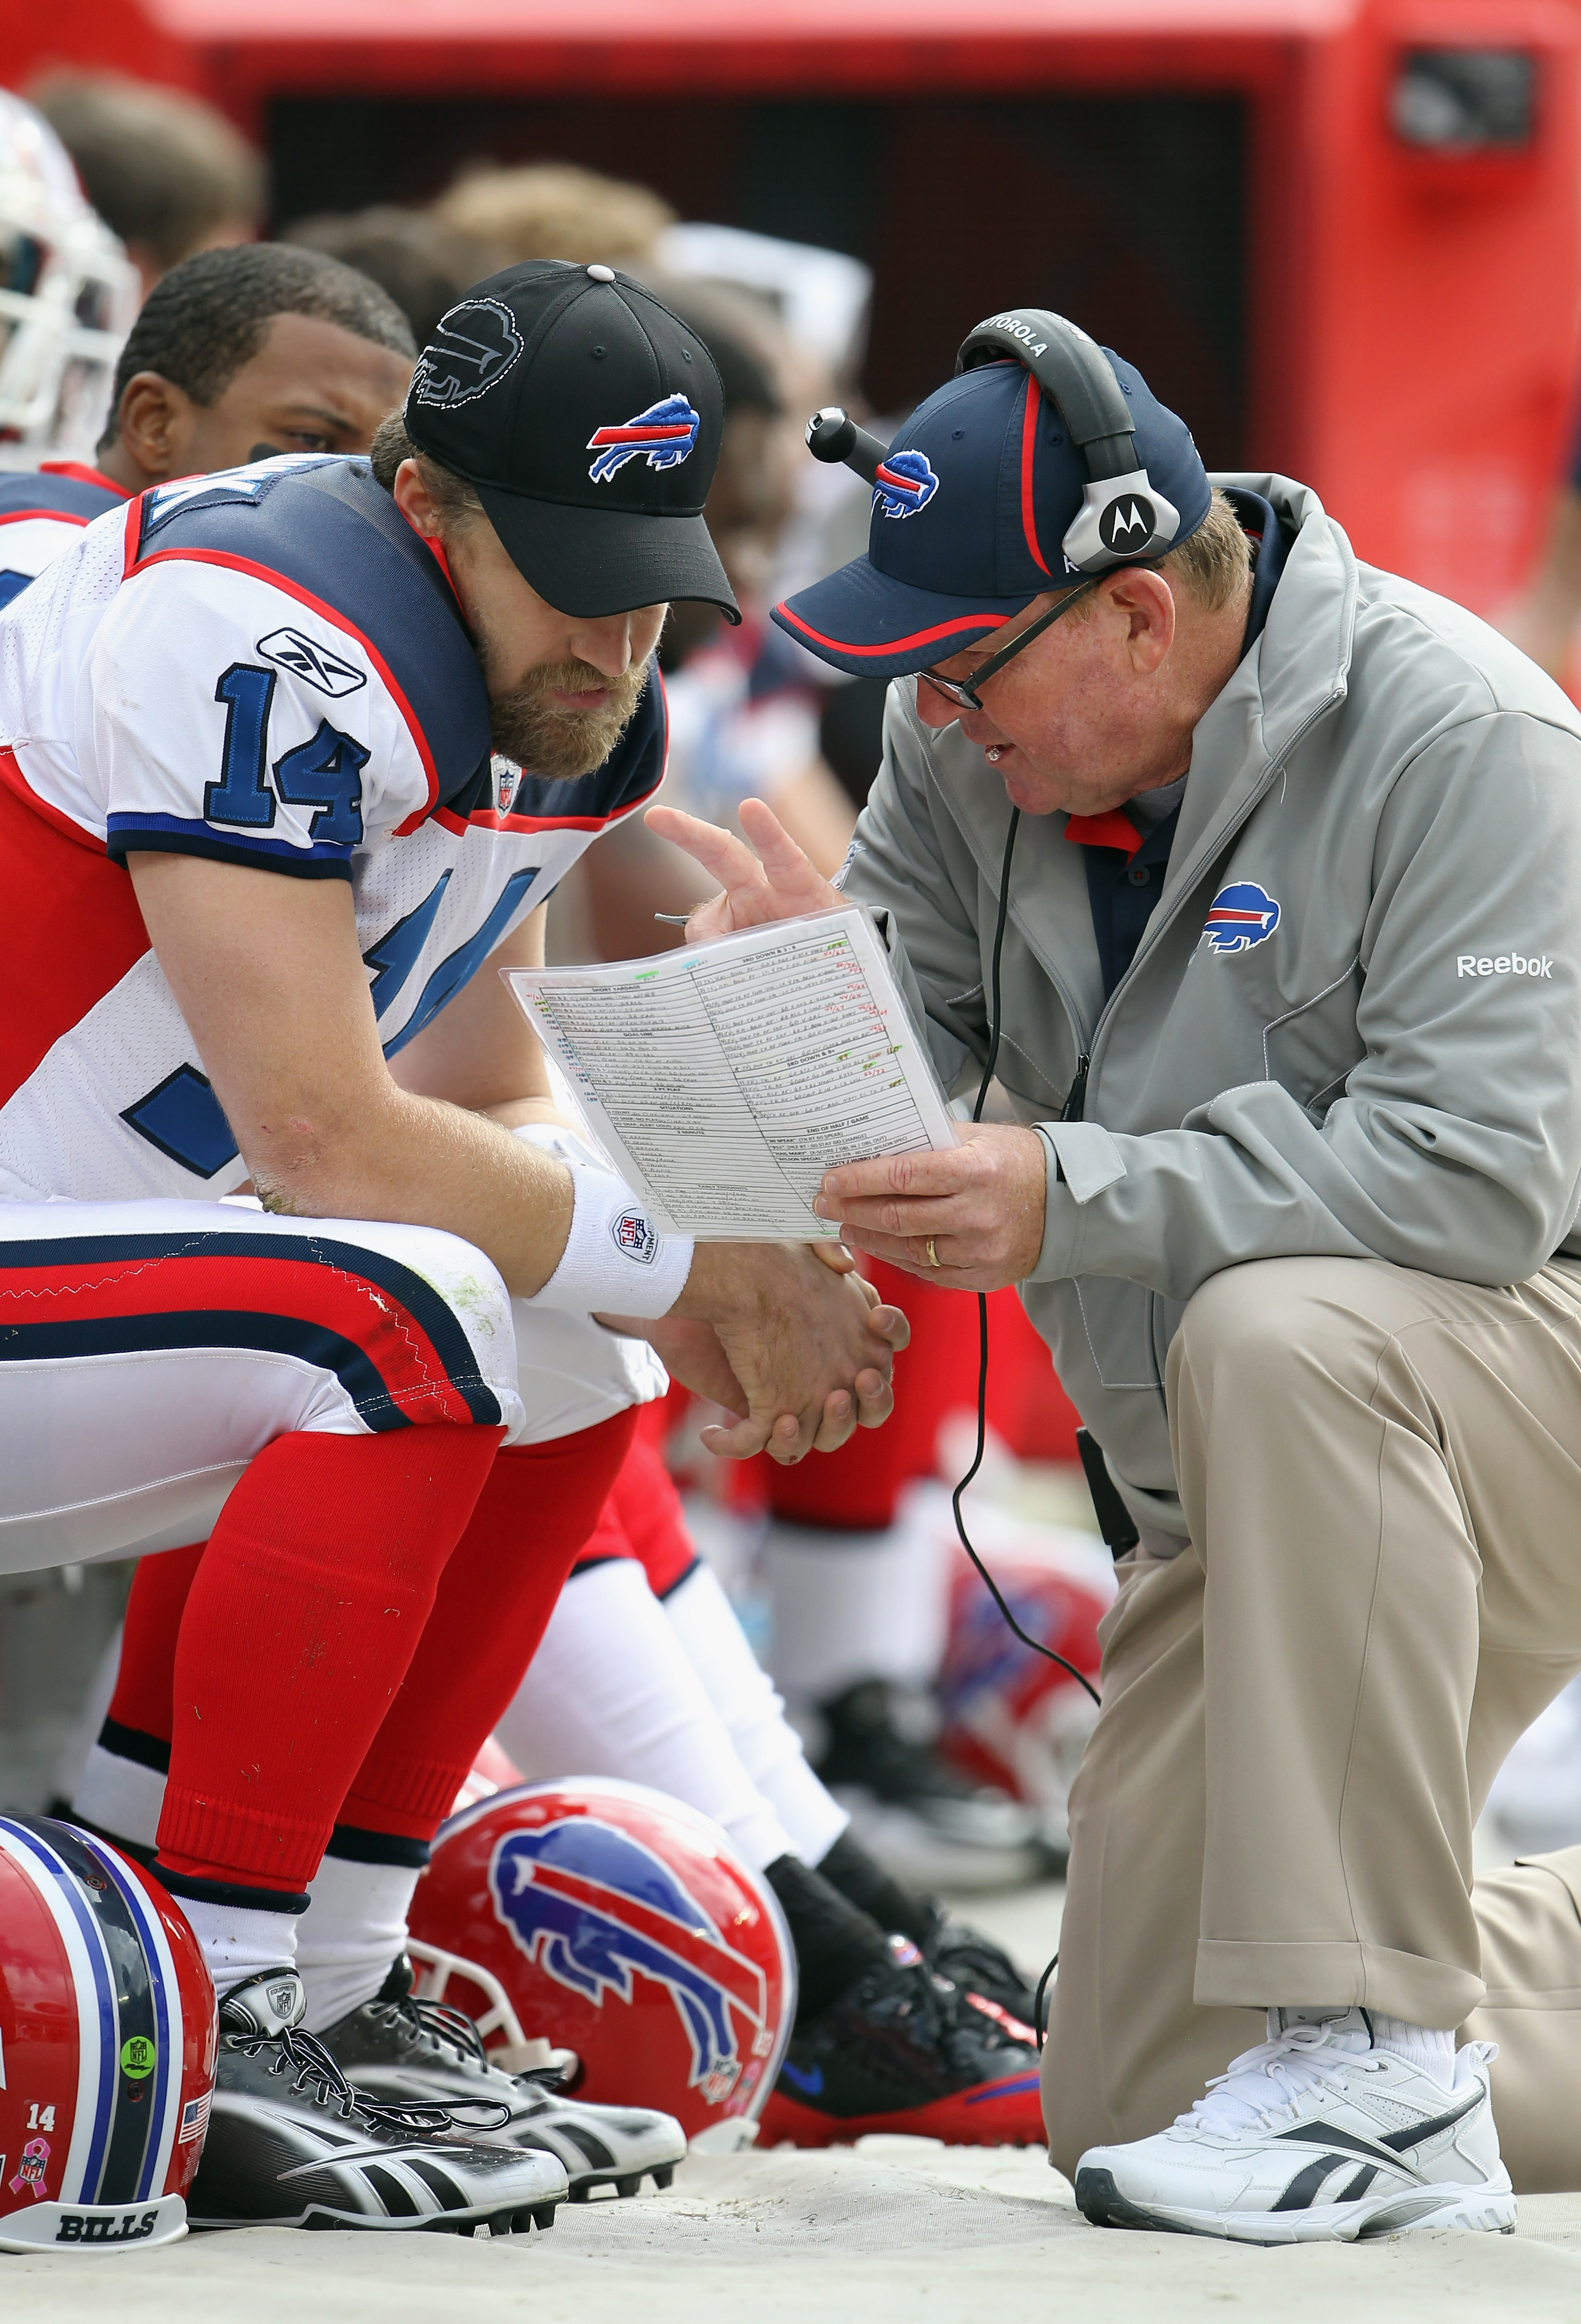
[1124,520]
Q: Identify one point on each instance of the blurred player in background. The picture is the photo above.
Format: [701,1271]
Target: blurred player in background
[168,173]
[239,354]
[68,298]
[424,264]
[553,209]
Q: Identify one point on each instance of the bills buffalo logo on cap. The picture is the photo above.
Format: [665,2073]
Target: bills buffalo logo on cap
[664,436]
[635,1236]
[596,1910]
[474,347]
[904,484]
[1239,917]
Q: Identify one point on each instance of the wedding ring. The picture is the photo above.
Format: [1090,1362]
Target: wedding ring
[933,1258]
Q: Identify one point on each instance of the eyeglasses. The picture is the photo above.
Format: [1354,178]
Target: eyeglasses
[964,696]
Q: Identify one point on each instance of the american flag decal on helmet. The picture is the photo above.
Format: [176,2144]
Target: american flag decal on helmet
[664,435]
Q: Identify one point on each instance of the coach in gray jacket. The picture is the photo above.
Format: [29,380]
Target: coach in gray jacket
[1290,1014]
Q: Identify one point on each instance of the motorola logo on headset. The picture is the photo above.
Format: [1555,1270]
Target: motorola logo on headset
[1128,523]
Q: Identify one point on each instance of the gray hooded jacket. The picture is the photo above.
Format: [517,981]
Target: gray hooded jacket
[1388,1064]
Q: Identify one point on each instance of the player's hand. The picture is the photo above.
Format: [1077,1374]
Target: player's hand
[777,883]
[690,1352]
[982,1202]
[810,1349]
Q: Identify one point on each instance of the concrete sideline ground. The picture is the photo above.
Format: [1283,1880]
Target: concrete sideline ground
[895,2230]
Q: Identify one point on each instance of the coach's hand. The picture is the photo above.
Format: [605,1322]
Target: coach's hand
[982,1203]
[777,884]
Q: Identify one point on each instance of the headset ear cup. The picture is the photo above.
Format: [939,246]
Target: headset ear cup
[1122,521]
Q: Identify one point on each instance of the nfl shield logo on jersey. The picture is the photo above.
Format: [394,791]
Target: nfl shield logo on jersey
[1239,917]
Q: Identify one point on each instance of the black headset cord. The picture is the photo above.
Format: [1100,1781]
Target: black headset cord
[982,1359]
[982,1304]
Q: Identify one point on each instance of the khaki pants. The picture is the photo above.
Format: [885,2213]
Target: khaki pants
[1304,1709]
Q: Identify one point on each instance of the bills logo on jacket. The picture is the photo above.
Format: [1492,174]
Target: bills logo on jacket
[1239,917]
[664,436]
[904,484]
[625,1927]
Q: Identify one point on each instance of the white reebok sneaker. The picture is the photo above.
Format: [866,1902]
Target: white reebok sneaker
[1314,2136]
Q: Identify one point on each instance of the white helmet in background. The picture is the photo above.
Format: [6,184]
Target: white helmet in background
[68,297]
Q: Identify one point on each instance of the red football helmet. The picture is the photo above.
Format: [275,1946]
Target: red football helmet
[1011,1717]
[611,1919]
[106,2047]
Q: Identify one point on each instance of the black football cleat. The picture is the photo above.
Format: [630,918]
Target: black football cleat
[292,2144]
[413,2052]
[923,1819]
[906,2050]
[978,1966]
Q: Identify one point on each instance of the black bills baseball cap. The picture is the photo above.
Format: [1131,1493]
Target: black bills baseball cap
[589,419]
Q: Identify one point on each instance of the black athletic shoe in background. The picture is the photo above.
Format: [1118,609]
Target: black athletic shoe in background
[957,1951]
[906,2050]
[290,2144]
[978,1966]
[923,1820]
[412,2052]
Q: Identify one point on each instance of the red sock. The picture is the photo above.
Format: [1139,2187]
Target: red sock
[538,1507]
[142,1699]
[306,1610]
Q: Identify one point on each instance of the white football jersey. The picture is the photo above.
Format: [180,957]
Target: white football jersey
[41,512]
[269,667]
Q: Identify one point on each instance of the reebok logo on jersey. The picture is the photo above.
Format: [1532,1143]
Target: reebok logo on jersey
[664,436]
[314,663]
[1505,964]
[475,344]
[636,1237]
[903,484]
[1239,917]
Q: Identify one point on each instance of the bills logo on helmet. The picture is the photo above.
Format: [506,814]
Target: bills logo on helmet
[596,1910]
[1239,917]
[664,436]
[475,344]
[904,484]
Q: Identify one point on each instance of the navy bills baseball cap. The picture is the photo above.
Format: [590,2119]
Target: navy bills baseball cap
[589,419]
[976,495]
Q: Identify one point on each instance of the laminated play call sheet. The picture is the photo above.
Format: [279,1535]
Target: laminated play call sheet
[722,1080]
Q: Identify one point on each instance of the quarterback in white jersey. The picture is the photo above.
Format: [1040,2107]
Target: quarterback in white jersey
[263,865]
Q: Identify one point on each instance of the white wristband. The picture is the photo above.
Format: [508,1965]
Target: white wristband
[615,1261]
